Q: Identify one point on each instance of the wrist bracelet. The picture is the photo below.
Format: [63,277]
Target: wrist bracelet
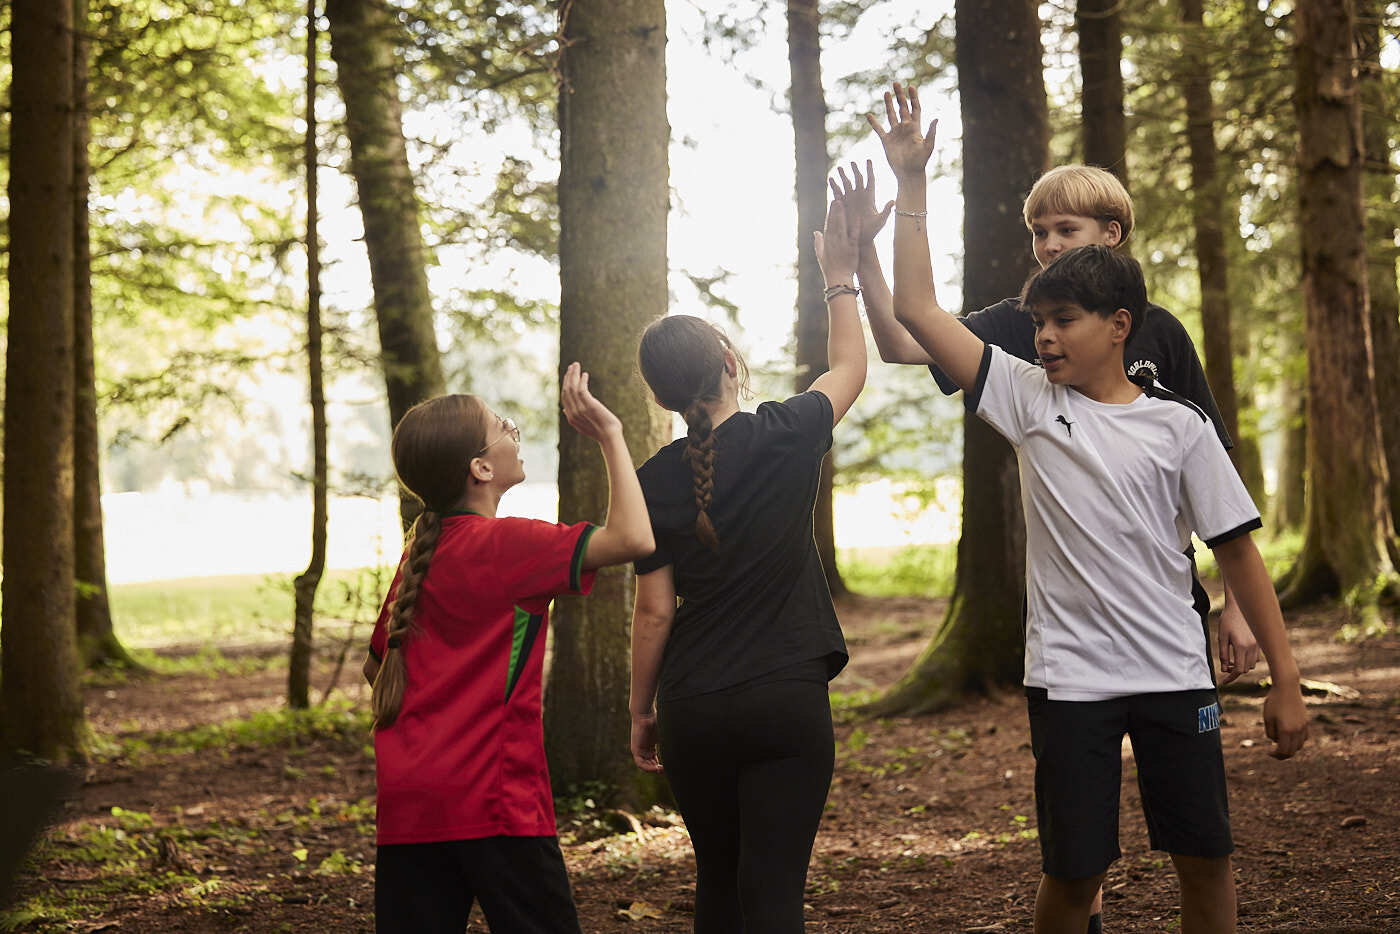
[834,290]
[912,213]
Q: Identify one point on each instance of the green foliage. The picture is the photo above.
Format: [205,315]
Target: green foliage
[915,570]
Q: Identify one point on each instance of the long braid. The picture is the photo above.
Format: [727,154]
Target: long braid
[392,678]
[700,454]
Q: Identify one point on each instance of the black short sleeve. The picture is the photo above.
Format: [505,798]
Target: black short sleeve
[1002,325]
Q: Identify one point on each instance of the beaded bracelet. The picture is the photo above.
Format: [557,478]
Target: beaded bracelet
[835,290]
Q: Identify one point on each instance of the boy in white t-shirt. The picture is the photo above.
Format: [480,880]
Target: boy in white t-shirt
[1115,478]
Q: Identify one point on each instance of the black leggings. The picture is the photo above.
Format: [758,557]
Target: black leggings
[750,769]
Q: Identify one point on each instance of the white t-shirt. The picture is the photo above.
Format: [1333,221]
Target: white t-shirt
[1111,495]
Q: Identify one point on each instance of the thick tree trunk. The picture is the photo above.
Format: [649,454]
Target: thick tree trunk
[43,704]
[808,103]
[613,202]
[1378,125]
[1348,530]
[1006,137]
[1100,52]
[97,640]
[1208,215]
[299,665]
[363,50]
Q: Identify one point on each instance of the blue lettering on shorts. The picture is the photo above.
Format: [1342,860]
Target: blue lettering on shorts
[1208,719]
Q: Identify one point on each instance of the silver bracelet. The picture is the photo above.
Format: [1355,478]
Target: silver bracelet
[834,290]
[912,213]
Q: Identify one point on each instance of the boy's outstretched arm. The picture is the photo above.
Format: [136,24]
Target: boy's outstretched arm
[955,349]
[895,344]
[1285,718]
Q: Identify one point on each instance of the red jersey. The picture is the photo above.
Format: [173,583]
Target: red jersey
[465,758]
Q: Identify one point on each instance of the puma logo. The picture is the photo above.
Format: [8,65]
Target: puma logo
[1069,426]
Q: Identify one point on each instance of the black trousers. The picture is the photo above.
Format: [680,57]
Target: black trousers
[750,769]
[429,888]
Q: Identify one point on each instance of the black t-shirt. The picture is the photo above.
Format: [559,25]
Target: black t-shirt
[761,603]
[1160,346]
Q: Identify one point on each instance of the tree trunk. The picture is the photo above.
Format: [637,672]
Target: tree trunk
[1347,533]
[1378,125]
[363,50]
[1208,215]
[613,202]
[1290,494]
[1100,51]
[1006,138]
[808,104]
[43,704]
[97,640]
[299,665]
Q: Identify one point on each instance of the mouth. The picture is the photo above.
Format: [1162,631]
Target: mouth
[1051,361]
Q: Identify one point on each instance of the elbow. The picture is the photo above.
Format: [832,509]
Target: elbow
[640,543]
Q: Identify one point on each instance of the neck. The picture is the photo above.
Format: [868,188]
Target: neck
[1112,386]
[481,498]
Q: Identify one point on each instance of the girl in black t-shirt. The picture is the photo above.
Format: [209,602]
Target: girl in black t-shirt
[729,686]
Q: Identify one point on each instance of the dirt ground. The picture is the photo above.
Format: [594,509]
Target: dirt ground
[930,822]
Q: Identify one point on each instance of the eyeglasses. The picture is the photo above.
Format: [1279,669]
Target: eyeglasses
[508,430]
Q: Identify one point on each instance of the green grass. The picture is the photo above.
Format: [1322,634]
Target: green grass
[1279,553]
[241,609]
[915,570]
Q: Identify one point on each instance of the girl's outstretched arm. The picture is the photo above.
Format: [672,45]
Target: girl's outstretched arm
[652,614]
[626,531]
[837,253]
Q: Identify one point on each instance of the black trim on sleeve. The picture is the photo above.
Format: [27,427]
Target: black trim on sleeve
[973,397]
[1236,532]
[375,655]
[576,562]
[1157,391]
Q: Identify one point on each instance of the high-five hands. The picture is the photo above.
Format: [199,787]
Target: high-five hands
[838,243]
[859,198]
[907,148]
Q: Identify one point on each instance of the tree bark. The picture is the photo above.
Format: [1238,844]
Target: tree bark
[97,640]
[363,50]
[1006,138]
[43,705]
[807,101]
[613,202]
[1208,216]
[1103,125]
[1348,532]
[299,664]
[1378,124]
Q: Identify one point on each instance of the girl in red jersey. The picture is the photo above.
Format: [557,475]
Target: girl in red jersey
[465,811]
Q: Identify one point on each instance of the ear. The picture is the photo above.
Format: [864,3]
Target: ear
[731,363]
[480,471]
[1122,325]
[1112,233]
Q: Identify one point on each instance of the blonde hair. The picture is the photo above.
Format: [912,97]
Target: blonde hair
[1082,190]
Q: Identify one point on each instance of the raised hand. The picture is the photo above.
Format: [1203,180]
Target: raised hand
[907,148]
[837,244]
[589,417]
[859,197]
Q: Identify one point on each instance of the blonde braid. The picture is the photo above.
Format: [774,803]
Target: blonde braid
[392,679]
[700,454]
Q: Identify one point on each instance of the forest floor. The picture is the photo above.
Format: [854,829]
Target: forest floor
[211,809]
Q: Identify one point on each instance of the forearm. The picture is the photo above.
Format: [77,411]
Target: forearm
[649,635]
[626,534]
[1248,581]
[891,339]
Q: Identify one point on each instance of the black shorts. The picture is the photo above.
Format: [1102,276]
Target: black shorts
[429,888]
[1078,769]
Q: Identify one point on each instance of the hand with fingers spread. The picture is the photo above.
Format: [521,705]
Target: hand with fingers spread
[859,198]
[587,415]
[837,244]
[907,147]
